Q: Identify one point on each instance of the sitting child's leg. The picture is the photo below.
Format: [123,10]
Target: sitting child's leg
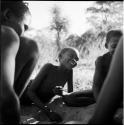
[26,60]
[83,93]
[79,98]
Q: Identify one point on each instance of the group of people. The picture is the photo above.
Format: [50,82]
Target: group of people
[19,56]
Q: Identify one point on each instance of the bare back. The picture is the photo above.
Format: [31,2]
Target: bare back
[26,60]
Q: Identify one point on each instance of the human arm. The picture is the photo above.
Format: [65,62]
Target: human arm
[58,90]
[98,78]
[36,83]
[70,81]
[32,94]
[112,90]
[8,98]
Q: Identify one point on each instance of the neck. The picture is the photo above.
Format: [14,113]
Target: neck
[63,68]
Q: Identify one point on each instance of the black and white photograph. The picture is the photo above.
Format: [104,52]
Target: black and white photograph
[61,62]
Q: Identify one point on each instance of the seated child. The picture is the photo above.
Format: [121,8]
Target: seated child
[103,62]
[42,88]
[79,98]
[112,91]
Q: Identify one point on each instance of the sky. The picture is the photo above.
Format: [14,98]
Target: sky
[74,11]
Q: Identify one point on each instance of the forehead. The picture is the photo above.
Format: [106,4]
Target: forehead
[114,39]
[72,53]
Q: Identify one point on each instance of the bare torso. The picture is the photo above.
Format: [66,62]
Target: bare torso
[55,77]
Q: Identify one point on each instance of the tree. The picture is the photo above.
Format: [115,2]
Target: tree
[59,24]
[105,15]
[75,41]
[83,42]
[89,36]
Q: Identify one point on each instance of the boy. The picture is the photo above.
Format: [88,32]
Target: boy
[15,18]
[103,62]
[112,91]
[42,89]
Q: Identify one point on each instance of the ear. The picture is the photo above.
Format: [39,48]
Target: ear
[7,14]
[106,46]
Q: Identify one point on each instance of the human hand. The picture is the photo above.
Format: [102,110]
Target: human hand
[58,90]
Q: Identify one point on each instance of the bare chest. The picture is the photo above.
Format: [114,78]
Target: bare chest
[54,78]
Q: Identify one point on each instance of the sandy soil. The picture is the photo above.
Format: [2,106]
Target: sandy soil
[33,115]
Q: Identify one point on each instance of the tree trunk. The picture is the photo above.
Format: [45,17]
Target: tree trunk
[58,42]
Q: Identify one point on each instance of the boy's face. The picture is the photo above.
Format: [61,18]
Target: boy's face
[113,43]
[69,59]
[20,25]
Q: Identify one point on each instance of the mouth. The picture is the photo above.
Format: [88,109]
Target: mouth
[73,62]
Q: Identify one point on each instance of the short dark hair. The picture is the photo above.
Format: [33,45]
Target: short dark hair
[112,33]
[64,50]
[19,8]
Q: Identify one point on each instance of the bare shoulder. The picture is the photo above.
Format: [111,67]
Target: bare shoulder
[99,59]
[48,66]
[9,36]
[9,33]
[30,43]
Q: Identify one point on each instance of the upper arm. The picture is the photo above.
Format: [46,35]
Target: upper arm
[98,78]
[40,77]
[8,100]
[10,41]
[9,49]
[70,81]
[34,47]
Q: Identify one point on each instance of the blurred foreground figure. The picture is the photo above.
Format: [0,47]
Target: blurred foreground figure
[15,19]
